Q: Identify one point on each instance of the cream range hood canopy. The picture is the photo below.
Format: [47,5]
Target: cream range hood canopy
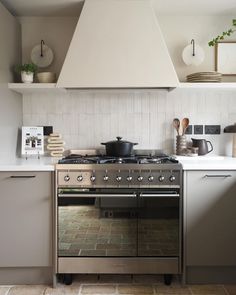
[118,44]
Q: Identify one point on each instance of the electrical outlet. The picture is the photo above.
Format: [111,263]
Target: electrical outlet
[47,130]
[212,129]
[189,130]
[198,129]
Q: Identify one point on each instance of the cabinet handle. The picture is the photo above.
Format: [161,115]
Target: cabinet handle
[218,176]
[22,176]
[97,195]
[158,195]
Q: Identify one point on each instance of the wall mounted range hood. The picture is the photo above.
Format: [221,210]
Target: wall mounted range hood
[118,44]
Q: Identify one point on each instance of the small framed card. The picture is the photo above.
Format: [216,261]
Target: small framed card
[32,141]
[225,58]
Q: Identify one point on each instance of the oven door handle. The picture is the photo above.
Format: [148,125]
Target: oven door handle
[143,195]
[97,195]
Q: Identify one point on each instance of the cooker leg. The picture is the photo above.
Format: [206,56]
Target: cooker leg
[67,279]
[167,279]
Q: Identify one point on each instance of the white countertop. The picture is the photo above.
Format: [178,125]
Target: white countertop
[207,163]
[31,164]
[48,163]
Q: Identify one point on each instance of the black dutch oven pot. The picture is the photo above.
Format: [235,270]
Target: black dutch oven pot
[119,148]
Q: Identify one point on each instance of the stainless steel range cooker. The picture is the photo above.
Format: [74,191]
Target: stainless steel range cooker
[119,215]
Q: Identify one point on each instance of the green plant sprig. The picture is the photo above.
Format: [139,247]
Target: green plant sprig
[29,68]
[224,34]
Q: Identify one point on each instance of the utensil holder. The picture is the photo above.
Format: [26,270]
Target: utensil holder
[181,144]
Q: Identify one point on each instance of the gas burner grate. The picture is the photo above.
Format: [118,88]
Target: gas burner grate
[164,159]
[133,159]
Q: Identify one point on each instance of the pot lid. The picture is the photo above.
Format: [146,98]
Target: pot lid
[118,141]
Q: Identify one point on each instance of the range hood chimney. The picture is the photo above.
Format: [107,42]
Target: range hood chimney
[118,44]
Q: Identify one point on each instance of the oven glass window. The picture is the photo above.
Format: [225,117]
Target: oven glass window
[158,227]
[94,226]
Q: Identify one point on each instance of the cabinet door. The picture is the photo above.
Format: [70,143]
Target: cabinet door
[25,219]
[211,218]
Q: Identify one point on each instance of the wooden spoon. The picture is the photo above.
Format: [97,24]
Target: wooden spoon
[176,124]
[185,123]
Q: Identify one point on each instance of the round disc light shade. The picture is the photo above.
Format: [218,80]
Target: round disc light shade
[189,58]
[42,61]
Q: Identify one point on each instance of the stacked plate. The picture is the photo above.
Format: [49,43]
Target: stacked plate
[204,77]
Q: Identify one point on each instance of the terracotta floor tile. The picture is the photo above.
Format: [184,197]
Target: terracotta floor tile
[27,290]
[207,290]
[173,289]
[135,289]
[115,279]
[62,291]
[85,279]
[107,285]
[151,279]
[4,290]
[98,289]
[231,289]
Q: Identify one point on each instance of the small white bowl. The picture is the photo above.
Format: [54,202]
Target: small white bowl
[46,77]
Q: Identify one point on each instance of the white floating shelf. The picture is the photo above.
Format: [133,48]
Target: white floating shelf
[24,88]
[221,85]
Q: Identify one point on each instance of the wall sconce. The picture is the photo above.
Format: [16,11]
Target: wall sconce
[193,54]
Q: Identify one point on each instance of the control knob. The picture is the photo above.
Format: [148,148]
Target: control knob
[118,178]
[140,178]
[129,178]
[67,178]
[172,178]
[80,178]
[105,178]
[161,178]
[93,178]
[150,178]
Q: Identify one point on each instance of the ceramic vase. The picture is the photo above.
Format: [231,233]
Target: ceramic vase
[27,77]
[181,144]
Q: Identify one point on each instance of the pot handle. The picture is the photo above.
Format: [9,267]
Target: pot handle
[210,145]
[135,143]
[103,143]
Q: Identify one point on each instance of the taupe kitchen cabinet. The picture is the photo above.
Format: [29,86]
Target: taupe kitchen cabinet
[210,218]
[25,219]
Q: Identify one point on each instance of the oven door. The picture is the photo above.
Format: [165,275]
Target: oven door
[159,223]
[97,223]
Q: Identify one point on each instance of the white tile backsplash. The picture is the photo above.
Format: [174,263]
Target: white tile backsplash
[87,118]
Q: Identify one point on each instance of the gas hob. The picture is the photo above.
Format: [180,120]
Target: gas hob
[103,159]
[139,170]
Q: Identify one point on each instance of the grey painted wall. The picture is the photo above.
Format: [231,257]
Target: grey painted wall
[10,102]
[87,118]
[177,31]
